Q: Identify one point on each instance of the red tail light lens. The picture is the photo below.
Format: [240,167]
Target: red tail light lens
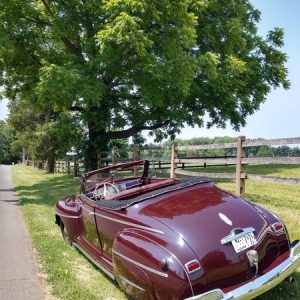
[192,266]
[278,227]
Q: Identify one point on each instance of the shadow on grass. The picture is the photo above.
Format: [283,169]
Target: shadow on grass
[7,190]
[114,282]
[48,192]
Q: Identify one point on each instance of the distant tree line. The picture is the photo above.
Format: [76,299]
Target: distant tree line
[43,134]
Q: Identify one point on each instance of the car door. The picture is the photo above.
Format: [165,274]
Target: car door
[89,238]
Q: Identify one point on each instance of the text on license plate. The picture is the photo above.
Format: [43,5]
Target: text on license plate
[244,242]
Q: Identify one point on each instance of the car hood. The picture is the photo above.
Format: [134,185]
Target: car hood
[202,216]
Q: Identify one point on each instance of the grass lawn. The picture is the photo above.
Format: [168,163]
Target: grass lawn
[70,275]
[268,170]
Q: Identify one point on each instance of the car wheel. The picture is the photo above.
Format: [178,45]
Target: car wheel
[65,234]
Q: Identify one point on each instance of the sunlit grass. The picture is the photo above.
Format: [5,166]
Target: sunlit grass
[268,170]
[68,274]
[71,276]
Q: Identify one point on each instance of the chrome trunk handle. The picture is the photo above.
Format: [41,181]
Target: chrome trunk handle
[236,233]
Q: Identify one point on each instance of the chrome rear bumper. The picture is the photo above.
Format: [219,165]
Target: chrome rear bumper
[260,284]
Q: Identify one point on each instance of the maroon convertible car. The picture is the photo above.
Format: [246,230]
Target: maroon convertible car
[163,238]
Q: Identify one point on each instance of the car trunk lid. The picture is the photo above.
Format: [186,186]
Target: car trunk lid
[204,216]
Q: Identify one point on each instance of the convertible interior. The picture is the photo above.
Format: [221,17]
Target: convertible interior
[118,183]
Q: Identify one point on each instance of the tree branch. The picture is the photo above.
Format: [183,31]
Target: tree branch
[22,47]
[77,108]
[135,129]
[72,48]
[47,7]
[37,21]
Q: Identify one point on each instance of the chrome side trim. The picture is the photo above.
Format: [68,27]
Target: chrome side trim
[67,216]
[127,281]
[140,265]
[259,284]
[232,236]
[130,224]
[94,261]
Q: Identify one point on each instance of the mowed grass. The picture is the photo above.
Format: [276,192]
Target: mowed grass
[70,275]
[292,171]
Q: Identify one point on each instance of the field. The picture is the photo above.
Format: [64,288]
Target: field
[268,170]
[69,275]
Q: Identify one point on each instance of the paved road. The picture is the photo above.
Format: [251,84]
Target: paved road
[18,267]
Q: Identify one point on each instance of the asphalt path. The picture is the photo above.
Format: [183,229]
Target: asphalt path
[18,267]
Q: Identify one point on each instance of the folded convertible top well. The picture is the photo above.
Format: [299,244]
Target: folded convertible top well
[121,204]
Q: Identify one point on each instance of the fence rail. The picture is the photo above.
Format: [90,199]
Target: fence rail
[285,160]
[206,147]
[205,174]
[212,161]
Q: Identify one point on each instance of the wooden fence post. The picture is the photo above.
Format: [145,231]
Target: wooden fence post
[173,163]
[134,152]
[114,155]
[68,167]
[98,159]
[134,158]
[75,167]
[240,167]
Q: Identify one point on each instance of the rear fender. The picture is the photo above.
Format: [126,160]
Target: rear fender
[68,212]
[282,238]
[149,269]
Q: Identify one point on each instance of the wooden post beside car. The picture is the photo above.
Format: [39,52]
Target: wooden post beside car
[173,161]
[240,167]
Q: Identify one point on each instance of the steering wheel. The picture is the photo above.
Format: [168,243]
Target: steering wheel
[105,190]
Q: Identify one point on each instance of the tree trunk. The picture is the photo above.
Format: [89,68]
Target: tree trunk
[51,161]
[98,141]
[90,158]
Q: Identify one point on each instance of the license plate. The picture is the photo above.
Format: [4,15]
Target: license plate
[244,242]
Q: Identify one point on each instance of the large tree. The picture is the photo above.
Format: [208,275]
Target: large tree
[128,65]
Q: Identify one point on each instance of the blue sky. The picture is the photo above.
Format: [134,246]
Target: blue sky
[279,116]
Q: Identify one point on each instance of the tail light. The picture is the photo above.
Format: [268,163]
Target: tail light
[278,227]
[193,266]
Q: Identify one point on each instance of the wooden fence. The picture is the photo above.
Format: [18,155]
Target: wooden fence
[71,167]
[75,168]
[241,161]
